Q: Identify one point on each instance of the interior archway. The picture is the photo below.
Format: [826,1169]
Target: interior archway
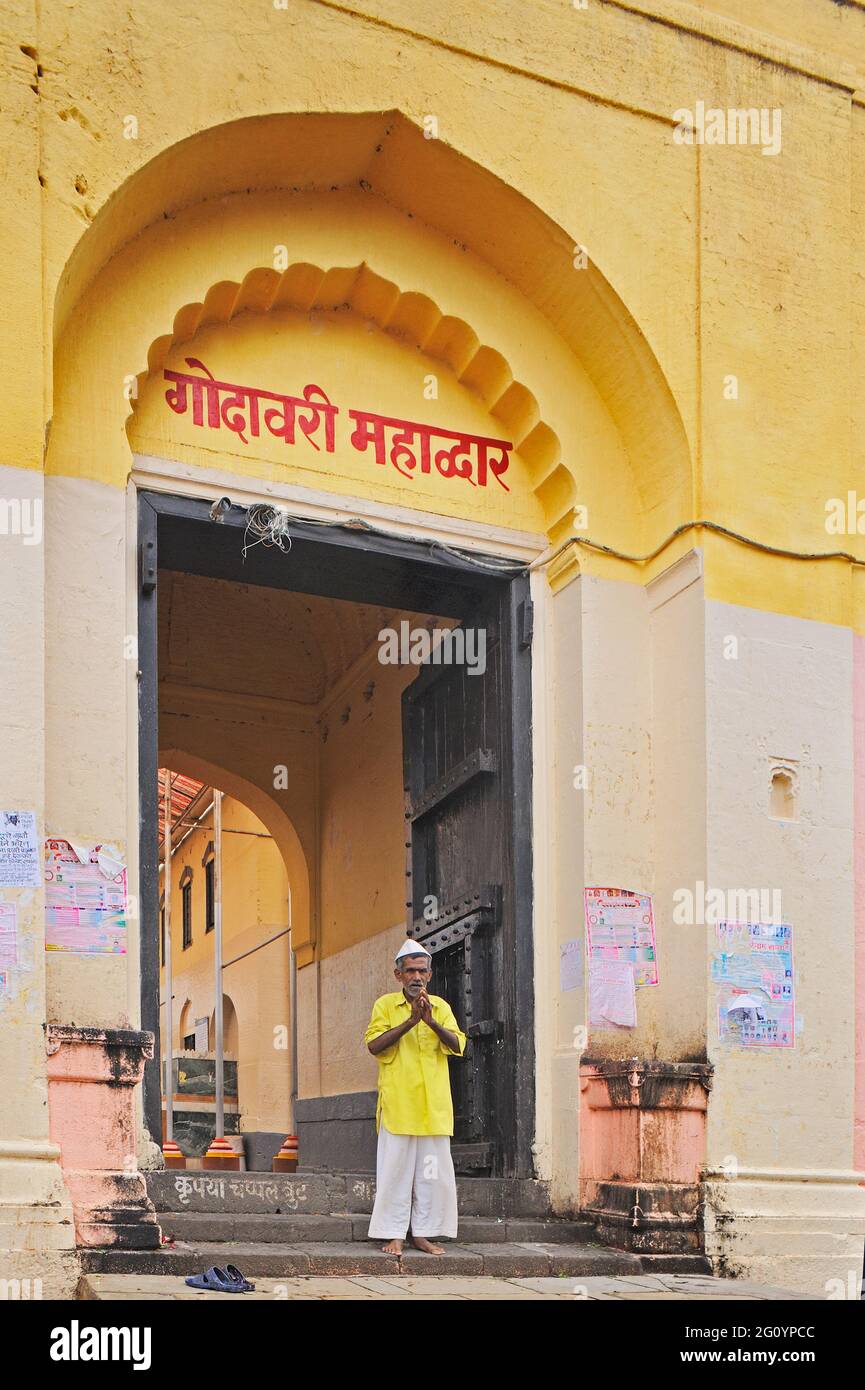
[183,1027]
[254,897]
[230,1028]
[270,814]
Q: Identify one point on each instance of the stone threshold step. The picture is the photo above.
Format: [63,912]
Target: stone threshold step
[305,1227]
[677,1264]
[507,1260]
[475,1196]
[323,1194]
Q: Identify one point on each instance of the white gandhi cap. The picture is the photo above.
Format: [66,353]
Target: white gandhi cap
[411,948]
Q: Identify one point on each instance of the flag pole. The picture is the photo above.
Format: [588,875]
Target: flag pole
[169,1012]
[217,952]
[220,1154]
[171,1152]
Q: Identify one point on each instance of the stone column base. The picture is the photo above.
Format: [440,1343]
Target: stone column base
[38,1258]
[92,1073]
[649,1218]
[642,1140]
[798,1230]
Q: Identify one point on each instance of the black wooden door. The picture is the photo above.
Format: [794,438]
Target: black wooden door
[470,875]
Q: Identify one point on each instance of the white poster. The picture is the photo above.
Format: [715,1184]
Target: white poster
[20,860]
[8,936]
[571,965]
[612,1000]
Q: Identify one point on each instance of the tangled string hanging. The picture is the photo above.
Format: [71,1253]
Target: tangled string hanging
[269,526]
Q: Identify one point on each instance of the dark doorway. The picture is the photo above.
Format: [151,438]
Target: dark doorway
[467,757]
[462,774]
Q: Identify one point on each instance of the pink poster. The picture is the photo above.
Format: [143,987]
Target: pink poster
[621,926]
[85,899]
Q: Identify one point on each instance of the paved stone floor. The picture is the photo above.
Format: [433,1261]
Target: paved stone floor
[678,1287]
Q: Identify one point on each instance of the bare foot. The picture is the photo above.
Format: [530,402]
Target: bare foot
[393,1247]
[421,1243]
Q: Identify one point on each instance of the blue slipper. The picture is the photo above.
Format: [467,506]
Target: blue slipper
[241,1284]
[214,1280]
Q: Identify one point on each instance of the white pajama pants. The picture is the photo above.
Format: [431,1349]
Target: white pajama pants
[414,1185]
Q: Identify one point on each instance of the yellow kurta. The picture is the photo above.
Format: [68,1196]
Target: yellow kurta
[414,1088]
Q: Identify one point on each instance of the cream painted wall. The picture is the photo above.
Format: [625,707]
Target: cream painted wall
[32,1195]
[351,981]
[781,1122]
[685,758]
[90,704]
[22,732]
[559,711]
[673,1015]
[625,718]
[629,712]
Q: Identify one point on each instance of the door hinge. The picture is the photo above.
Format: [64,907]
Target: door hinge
[487,1028]
[527,622]
[147,566]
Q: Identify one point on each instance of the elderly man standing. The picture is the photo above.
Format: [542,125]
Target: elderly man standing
[412,1034]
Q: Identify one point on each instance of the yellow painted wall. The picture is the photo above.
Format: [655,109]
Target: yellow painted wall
[155,157]
[701,246]
[363,885]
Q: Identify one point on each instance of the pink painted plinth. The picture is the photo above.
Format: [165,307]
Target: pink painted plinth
[636,1127]
[642,1148]
[92,1075]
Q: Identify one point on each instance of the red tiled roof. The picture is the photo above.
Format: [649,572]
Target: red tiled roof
[184,790]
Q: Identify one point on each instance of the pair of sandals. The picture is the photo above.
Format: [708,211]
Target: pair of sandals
[216,1280]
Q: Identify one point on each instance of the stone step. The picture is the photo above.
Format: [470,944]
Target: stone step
[475,1196]
[507,1260]
[305,1227]
[326,1194]
[245,1193]
[676,1264]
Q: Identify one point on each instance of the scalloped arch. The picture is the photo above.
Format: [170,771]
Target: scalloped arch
[410,317]
[345,174]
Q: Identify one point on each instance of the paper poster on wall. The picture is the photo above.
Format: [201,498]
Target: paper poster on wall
[85,899]
[8,936]
[19,850]
[570,965]
[612,1001]
[752,972]
[621,926]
